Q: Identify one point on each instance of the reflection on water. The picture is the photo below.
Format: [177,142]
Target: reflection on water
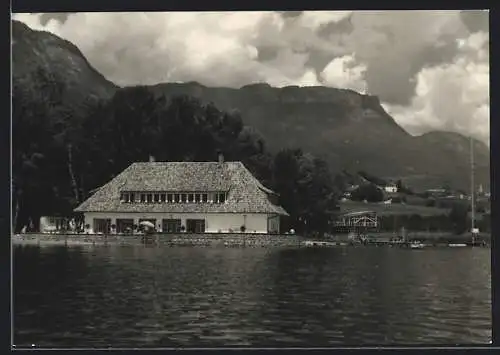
[141,296]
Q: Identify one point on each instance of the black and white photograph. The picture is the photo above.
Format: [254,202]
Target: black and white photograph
[250,179]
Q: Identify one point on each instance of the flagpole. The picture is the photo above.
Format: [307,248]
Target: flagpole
[473,190]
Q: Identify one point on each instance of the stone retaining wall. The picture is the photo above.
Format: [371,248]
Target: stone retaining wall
[236,240]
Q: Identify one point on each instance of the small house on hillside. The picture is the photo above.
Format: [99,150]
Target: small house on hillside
[391,188]
[196,197]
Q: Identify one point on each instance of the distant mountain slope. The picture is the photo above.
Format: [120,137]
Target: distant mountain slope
[39,54]
[351,131]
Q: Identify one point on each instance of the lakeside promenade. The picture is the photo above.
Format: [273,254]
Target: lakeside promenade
[236,240]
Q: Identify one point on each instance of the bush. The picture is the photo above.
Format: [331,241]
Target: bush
[369,192]
[430,203]
[458,217]
[398,199]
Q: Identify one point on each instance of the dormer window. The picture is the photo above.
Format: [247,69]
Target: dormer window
[172,197]
[124,197]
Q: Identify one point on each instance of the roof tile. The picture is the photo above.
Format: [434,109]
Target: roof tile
[246,193]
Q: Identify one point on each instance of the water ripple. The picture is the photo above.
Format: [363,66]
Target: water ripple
[139,297]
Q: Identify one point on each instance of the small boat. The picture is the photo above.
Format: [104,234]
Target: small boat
[457,245]
[312,243]
[416,245]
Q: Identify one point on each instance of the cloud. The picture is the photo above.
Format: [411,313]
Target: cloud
[475,20]
[452,96]
[315,19]
[394,54]
[344,72]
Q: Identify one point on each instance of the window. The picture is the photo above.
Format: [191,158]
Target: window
[170,197]
[157,198]
[124,197]
[191,197]
[195,225]
[143,198]
[150,198]
[132,197]
[222,197]
[183,197]
[204,197]
[124,225]
[163,197]
[177,198]
[197,198]
[171,225]
[102,225]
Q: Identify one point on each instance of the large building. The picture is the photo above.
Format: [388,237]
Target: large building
[195,197]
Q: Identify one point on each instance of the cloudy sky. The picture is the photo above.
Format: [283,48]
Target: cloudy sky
[430,69]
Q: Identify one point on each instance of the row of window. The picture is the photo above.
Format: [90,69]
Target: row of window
[188,197]
[103,225]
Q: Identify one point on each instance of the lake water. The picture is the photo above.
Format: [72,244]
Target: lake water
[119,296]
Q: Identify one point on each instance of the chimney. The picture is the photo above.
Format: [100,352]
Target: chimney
[151,159]
[220,157]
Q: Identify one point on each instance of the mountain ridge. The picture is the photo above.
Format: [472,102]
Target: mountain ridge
[350,130]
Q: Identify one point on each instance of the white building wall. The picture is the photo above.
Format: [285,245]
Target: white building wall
[46,225]
[214,222]
[50,224]
[391,188]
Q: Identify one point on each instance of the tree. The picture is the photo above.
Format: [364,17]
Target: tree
[307,190]
[368,192]
[59,157]
[458,216]
[399,184]
[372,179]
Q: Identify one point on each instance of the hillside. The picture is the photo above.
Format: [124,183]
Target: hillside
[392,209]
[349,130]
[40,57]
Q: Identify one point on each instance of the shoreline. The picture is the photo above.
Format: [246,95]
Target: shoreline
[232,240]
[237,240]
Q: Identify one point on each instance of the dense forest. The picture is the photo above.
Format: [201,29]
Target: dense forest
[60,158]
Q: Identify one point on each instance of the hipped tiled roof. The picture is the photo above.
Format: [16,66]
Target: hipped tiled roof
[246,193]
